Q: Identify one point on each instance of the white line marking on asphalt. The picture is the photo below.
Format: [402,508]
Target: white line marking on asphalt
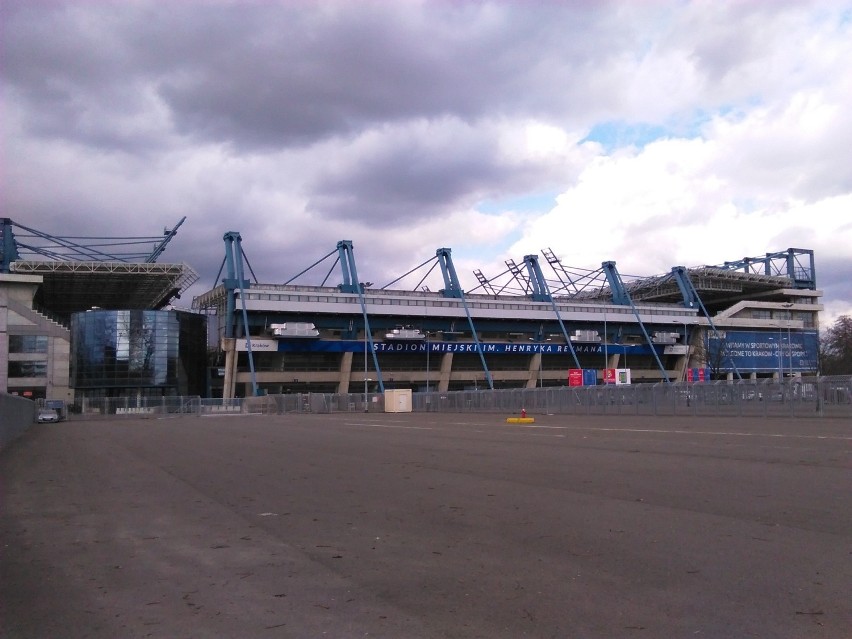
[388,426]
[693,432]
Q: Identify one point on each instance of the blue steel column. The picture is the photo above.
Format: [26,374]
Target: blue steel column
[9,248]
[351,285]
[687,291]
[234,281]
[619,292]
[618,288]
[452,288]
[685,283]
[541,292]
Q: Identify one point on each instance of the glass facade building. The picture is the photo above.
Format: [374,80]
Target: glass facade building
[120,352]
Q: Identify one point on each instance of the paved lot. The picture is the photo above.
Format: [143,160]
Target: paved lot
[415,526]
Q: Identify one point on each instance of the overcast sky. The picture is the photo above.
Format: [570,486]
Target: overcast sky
[653,134]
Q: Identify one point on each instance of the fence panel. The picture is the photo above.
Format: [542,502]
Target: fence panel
[799,397]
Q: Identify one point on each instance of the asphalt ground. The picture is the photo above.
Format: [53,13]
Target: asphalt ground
[427,525]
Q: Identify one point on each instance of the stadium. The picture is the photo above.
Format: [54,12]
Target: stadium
[87,318]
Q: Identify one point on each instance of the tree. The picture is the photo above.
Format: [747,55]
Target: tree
[836,347]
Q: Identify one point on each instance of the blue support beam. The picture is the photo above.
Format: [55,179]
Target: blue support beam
[690,293]
[234,280]
[794,263]
[541,292]
[8,246]
[616,284]
[619,292]
[351,284]
[803,275]
[681,276]
[233,256]
[452,288]
[346,257]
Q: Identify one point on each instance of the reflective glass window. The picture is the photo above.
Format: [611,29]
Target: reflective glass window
[27,343]
[27,369]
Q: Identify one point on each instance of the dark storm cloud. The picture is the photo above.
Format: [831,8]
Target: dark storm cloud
[299,123]
[264,75]
[418,175]
[294,77]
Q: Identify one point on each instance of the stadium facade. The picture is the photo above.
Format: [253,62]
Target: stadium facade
[87,323]
[753,318]
[125,342]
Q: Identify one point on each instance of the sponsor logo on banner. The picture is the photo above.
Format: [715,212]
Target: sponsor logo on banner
[258,345]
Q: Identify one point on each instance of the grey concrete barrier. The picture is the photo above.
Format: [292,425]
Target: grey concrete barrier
[16,415]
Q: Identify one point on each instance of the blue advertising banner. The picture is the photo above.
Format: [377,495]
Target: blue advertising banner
[342,346]
[766,351]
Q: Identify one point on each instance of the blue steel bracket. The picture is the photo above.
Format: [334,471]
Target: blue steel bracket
[233,282]
[794,263]
[540,292]
[619,293]
[347,264]
[234,262]
[9,247]
[685,285]
[452,288]
[351,285]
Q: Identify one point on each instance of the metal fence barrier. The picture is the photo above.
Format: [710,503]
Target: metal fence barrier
[797,397]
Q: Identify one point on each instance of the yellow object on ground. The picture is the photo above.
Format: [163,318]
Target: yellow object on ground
[520,420]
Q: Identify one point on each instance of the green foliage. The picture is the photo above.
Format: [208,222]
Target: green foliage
[836,348]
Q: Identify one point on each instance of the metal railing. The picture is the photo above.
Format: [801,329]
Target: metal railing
[797,397]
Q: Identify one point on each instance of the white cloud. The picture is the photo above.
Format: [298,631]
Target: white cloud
[771,178]
[300,125]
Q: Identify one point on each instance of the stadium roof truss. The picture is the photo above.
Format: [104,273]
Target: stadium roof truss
[80,273]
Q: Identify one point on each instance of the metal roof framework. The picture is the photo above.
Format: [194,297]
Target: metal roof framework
[712,283]
[80,273]
[22,242]
[70,287]
[716,285]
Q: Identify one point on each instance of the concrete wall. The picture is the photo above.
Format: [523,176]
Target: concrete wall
[16,415]
[17,317]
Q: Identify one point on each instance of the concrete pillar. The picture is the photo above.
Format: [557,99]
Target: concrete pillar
[229,346]
[345,373]
[532,376]
[446,369]
[681,367]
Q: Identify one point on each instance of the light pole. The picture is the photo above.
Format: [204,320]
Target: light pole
[787,305]
[427,362]
[366,406]
[541,364]
[780,364]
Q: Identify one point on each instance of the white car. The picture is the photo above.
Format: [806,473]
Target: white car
[47,415]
